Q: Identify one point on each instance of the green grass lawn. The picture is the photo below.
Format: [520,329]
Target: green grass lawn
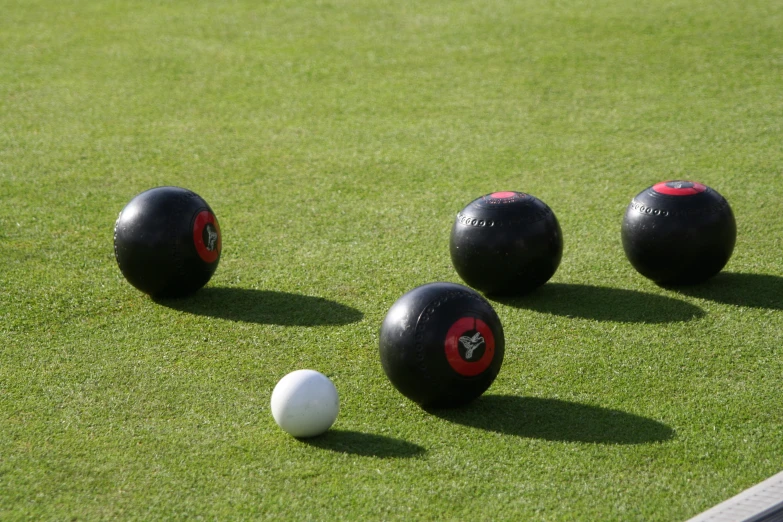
[336,140]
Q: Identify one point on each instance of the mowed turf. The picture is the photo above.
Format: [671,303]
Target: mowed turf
[335,141]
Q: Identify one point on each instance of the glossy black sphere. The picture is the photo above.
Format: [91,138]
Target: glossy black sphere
[167,242]
[506,243]
[441,345]
[678,232]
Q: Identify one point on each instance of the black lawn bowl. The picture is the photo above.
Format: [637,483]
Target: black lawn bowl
[441,345]
[506,243]
[167,242]
[678,232]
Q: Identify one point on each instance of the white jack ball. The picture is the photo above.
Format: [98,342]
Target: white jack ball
[305,403]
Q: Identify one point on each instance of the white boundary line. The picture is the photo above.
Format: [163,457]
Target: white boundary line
[765,498]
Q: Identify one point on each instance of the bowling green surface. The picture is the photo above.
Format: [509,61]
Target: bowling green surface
[336,141]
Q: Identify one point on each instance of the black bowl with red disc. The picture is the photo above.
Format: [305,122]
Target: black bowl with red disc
[678,232]
[167,242]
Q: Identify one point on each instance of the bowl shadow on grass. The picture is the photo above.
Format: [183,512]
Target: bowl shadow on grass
[604,304]
[264,307]
[556,420]
[750,290]
[365,444]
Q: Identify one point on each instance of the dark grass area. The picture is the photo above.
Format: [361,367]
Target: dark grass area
[557,420]
[606,304]
[740,289]
[264,307]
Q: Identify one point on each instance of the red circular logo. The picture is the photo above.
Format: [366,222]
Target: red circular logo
[470,346]
[679,188]
[206,236]
[503,198]
[502,195]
